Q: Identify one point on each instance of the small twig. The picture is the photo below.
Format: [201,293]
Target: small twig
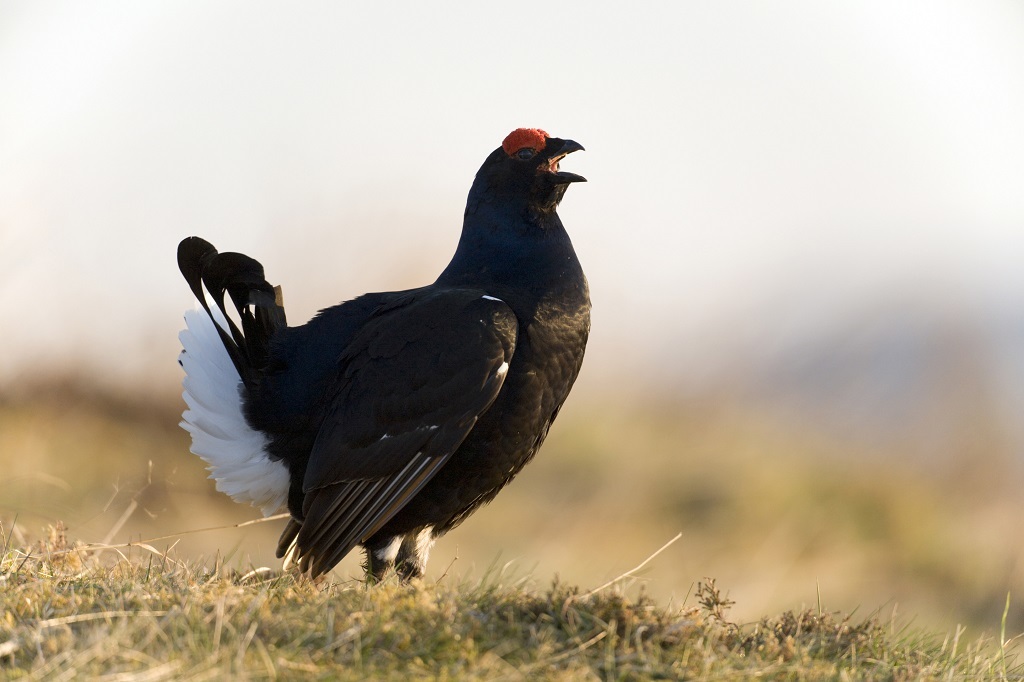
[100,546]
[449,567]
[28,555]
[633,570]
[132,506]
[80,617]
[627,574]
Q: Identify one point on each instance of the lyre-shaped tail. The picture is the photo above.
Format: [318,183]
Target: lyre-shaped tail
[221,361]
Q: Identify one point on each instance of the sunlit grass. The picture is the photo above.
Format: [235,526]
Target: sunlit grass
[69,611]
[783,516]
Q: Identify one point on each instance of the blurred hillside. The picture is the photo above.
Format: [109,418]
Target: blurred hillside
[931,379]
[778,511]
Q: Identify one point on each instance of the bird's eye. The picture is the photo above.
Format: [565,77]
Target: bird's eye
[525,153]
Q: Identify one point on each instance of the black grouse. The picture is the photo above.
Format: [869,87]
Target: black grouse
[386,420]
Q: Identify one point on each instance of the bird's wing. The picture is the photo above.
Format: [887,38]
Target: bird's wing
[411,385]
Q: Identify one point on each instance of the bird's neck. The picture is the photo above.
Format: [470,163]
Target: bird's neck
[503,248]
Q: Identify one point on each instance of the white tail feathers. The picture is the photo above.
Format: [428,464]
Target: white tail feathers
[221,436]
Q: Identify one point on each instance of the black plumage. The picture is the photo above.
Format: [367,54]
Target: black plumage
[398,414]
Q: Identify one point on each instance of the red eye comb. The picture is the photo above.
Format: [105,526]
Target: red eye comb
[534,138]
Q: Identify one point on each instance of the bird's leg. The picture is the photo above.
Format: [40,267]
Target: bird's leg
[380,557]
[412,555]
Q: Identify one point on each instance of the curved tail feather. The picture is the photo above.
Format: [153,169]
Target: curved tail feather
[258,304]
[220,362]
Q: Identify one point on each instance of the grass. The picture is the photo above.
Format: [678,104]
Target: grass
[787,519]
[147,615]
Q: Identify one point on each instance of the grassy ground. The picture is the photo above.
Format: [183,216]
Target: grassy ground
[74,613]
[788,520]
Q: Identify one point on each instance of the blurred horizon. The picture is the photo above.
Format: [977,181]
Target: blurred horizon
[761,179]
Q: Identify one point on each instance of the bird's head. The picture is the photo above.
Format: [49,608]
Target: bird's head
[525,168]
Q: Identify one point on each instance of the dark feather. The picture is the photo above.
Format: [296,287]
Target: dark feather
[257,303]
[412,384]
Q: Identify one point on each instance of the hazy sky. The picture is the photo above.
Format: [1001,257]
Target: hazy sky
[757,170]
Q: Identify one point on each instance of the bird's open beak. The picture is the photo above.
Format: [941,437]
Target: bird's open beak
[564,177]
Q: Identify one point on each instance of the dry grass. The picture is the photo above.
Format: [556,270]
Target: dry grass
[785,518]
[71,612]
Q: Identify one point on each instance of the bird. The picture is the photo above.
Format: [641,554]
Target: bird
[385,421]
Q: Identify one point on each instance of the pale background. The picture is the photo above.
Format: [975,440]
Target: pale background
[816,209]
